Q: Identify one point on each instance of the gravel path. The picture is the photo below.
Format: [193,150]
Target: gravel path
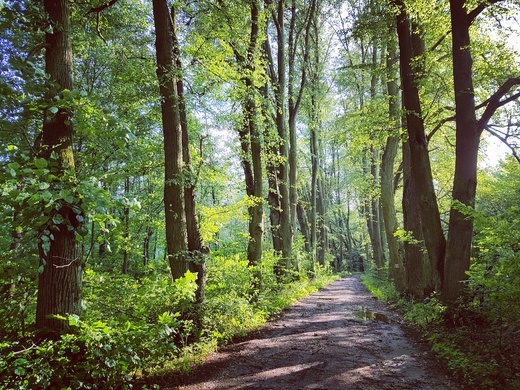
[338,338]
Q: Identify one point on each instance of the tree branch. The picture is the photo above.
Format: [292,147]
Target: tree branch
[438,126]
[101,7]
[494,102]
[310,17]
[98,10]
[479,8]
[504,140]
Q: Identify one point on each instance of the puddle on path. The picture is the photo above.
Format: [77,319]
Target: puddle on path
[368,315]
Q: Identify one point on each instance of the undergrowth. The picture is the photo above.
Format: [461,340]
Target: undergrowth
[481,350]
[140,326]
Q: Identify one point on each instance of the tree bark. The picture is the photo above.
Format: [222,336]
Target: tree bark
[174,210]
[294,98]
[416,260]
[320,211]
[60,282]
[375,214]
[125,269]
[460,230]
[304,228]
[396,269]
[418,144]
[285,228]
[251,144]
[197,251]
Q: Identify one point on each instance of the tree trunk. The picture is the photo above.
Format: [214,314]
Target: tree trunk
[415,257]
[379,254]
[197,251]
[420,162]
[285,229]
[320,211]
[251,145]
[314,180]
[294,99]
[175,217]
[460,231]
[125,269]
[396,269]
[304,228]
[60,282]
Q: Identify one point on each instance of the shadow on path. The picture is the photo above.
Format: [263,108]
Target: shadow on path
[321,343]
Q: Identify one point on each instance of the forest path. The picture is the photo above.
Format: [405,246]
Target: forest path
[325,342]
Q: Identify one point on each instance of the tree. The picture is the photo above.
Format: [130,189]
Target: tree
[251,143]
[174,201]
[396,269]
[468,133]
[421,173]
[279,183]
[60,282]
[295,96]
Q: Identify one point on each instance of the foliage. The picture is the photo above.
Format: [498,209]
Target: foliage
[94,356]
[379,287]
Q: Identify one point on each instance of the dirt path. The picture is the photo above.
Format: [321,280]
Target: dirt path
[322,343]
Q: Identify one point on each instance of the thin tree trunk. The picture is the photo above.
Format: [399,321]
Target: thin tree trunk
[320,211]
[314,180]
[126,226]
[294,99]
[285,229]
[196,248]
[396,269]
[377,244]
[304,228]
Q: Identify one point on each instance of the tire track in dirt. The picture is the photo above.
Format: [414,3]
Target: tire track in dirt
[321,343]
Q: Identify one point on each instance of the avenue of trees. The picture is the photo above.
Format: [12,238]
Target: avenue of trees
[175,172]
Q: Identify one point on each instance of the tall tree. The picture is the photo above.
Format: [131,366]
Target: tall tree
[283,230]
[60,282]
[468,132]
[197,251]
[421,173]
[396,269]
[174,201]
[295,95]
[251,143]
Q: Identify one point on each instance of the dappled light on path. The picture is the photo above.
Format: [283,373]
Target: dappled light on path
[321,343]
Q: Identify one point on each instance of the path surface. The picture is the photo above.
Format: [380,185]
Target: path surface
[321,343]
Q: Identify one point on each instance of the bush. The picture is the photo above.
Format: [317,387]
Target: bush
[95,356]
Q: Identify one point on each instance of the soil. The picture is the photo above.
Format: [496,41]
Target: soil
[338,338]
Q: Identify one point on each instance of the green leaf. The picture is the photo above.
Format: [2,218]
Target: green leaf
[53,110]
[40,163]
[46,195]
[110,363]
[57,219]
[34,199]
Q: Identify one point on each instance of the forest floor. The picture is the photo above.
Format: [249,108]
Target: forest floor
[338,338]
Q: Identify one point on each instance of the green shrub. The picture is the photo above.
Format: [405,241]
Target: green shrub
[95,356]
